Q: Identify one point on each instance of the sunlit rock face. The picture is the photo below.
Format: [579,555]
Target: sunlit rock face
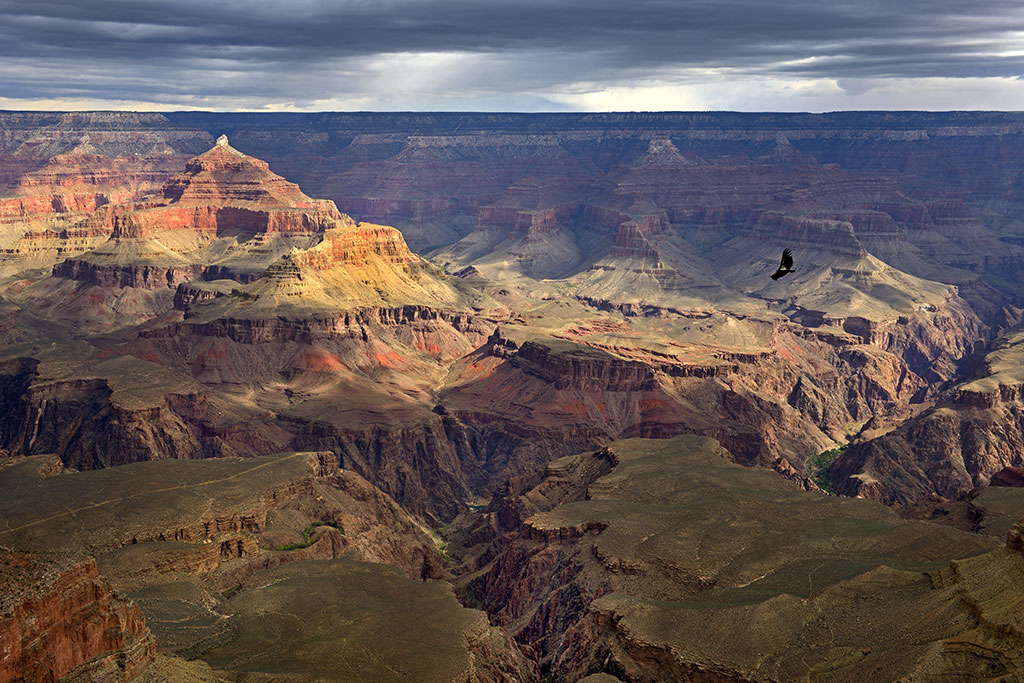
[60,620]
[236,395]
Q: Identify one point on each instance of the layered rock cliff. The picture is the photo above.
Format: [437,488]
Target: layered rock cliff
[972,432]
[231,533]
[60,620]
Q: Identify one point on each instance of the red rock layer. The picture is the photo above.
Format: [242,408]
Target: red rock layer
[632,241]
[83,182]
[224,191]
[223,174]
[60,618]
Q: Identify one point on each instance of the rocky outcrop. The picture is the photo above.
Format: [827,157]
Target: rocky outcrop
[223,174]
[60,620]
[62,209]
[116,276]
[786,401]
[1015,538]
[78,419]
[631,240]
[835,236]
[353,247]
[583,369]
[948,450]
[972,433]
[1008,476]
[222,194]
[355,323]
[602,577]
[225,192]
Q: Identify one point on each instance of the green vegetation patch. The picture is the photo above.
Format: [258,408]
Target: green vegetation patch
[307,536]
[817,467]
[442,547]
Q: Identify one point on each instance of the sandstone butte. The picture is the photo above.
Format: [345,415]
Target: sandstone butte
[223,202]
[233,396]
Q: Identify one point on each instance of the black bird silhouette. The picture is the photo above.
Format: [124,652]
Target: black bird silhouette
[786,266]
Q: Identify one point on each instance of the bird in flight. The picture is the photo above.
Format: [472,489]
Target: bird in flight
[786,266]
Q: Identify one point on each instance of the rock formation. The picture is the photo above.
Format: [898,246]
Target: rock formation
[60,620]
[974,432]
[659,559]
[234,395]
[231,527]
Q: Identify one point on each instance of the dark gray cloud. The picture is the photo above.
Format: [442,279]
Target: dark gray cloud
[425,53]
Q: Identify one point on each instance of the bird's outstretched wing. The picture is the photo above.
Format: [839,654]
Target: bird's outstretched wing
[787,260]
[786,266]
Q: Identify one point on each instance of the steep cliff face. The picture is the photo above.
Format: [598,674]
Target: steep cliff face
[87,411]
[60,620]
[80,181]
[63,208]
[71,172]
[973,431]
[437,189]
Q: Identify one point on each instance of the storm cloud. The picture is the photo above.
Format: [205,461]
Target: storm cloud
[529,55]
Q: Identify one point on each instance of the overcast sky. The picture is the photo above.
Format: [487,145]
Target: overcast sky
[528,55]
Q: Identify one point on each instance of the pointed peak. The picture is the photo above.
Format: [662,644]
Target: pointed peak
[223,173]
[663,152]
[223,149]
[662,146]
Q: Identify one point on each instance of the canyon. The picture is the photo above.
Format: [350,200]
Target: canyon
[534,364]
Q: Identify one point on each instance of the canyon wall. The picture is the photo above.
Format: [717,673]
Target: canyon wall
[60,620]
